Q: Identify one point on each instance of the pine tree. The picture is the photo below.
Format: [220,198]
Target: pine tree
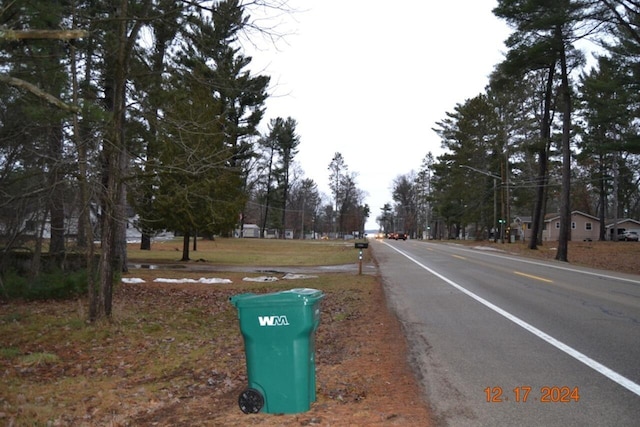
[545,31]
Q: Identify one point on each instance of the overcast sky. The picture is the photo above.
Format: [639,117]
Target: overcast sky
[370,79]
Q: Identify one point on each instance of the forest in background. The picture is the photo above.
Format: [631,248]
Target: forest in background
[551,134]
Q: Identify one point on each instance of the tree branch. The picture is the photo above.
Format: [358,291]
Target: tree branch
[627,24]
[42,34]
[38,92]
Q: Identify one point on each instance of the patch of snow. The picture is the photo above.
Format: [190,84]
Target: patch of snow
[200,280]
[292,276]
[132,280]
[487,248]
[288,276]
[261,279]
[214,280]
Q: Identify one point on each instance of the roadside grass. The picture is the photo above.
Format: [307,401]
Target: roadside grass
[167,343]
[621,257]
[257,252]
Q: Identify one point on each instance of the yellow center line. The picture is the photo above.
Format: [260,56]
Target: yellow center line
[458,256]
[542,279]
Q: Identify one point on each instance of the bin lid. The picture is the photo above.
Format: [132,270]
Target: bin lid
[297,296]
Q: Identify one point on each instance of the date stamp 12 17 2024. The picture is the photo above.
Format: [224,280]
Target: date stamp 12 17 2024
[523,393]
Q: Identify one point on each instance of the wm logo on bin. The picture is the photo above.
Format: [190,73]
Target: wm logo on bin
[273,321]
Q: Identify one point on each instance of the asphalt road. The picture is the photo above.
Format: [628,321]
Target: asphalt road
[500,340]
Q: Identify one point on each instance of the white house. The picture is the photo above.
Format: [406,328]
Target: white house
[248,231]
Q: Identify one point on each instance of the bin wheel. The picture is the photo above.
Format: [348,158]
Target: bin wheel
[251,401]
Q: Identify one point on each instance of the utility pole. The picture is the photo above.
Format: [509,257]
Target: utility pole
[495,200]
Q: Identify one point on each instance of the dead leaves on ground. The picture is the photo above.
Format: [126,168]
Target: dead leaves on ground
[173,354]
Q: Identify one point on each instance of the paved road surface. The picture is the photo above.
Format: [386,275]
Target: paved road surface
[506,341]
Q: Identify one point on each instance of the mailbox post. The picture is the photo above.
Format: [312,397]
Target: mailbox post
[361,246]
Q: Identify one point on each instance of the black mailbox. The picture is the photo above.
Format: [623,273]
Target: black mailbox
[360,245]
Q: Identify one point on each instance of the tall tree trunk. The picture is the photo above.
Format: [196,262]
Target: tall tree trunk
[36,261]
[602,211]
[122,218]
[545,200]
[285,195]
[80,137]
[114,156]
[56,199]
[185,246]
[545,136]
[162,38]
[565,198]
[268,196]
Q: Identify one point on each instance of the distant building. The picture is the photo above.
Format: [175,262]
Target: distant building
[251,231]
[622,225]
[583,227]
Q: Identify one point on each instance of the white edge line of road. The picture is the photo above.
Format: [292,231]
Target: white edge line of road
[558,267]
[598,367]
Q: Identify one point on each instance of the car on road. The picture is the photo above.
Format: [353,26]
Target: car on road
[630,236]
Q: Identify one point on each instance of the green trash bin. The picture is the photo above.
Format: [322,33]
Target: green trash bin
[279,341]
